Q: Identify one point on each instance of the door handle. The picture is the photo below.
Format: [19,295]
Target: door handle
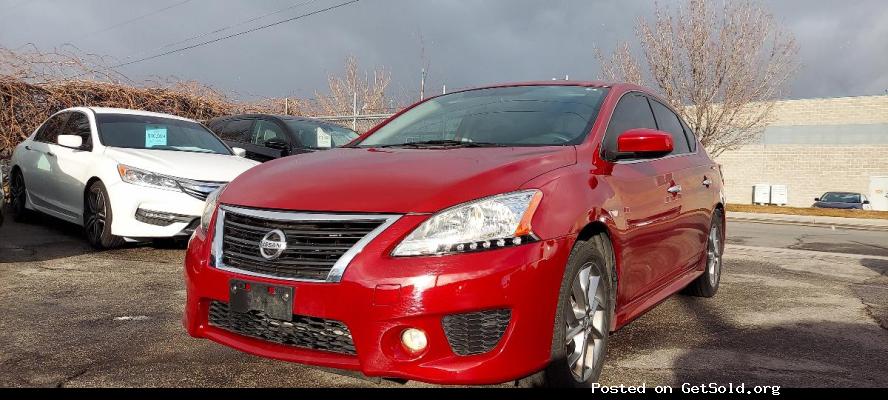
[27,147]
[51,154]
[674,189]
[707,182]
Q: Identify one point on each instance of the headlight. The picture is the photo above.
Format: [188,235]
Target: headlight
[144,178]
[210,208]
[489,223]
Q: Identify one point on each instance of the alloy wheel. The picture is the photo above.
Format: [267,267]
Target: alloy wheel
[17,195]
[714,255]
[585,323]
[96,215]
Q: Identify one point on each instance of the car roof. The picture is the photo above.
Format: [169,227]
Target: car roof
[124,111]
[275,116]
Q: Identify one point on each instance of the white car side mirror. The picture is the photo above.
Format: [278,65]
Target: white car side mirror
[239,151]
[72,141]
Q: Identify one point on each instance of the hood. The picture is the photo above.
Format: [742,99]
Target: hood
[183,164]
[392,180]
[833,204]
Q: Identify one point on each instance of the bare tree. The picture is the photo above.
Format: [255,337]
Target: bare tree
[721,69]
[371,91]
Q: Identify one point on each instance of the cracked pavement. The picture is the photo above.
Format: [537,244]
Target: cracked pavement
[783,316]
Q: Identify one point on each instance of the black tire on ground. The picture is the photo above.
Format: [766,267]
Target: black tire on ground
[18,197]
[707,284]
[97,217]
[596,256]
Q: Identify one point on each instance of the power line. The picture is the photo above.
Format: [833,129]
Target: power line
[241,33]
[219,30]
[140,17]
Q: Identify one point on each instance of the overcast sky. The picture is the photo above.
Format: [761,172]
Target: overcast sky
[843,44]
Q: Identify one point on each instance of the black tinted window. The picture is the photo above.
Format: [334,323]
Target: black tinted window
[668,122]
[237,130]
[50,130]
[632,112]
[78,124]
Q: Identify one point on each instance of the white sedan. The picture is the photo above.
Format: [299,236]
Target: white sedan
[121,174]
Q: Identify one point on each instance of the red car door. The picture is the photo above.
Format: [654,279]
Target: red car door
[690,173]
[650,245]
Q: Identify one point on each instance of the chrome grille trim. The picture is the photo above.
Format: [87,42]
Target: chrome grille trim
[338,269]
[198,189]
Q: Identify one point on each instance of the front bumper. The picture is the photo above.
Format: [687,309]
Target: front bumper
[126,199]
[379,296]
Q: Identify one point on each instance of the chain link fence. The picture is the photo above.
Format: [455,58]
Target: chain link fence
[358,123]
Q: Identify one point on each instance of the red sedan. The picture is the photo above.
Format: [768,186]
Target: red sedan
[478,237]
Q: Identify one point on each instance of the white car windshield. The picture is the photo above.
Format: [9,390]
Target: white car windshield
[157,133]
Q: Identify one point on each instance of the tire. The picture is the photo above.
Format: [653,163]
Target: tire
[707,284]
[18,197]
[591,262]
[97,218]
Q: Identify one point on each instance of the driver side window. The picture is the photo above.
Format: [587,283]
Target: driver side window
[632,112]
[265,131]
[50,130]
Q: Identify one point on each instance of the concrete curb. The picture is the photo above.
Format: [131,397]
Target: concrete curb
[807,220]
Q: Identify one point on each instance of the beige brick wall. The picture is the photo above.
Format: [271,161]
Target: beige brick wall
[807,170]
[810,170]
[831,111]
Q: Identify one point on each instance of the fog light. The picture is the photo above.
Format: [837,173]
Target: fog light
[414,340]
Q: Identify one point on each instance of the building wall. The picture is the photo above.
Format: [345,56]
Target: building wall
[813,146]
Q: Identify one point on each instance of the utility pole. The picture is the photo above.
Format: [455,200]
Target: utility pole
[444,89]
[355,112]
[422,85]
[286,106]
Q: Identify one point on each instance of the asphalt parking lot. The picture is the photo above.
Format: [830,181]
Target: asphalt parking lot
[784,315]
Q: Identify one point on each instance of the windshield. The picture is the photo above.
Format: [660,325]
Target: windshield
[315,135]
[509,116]
[835,197]
[157,133]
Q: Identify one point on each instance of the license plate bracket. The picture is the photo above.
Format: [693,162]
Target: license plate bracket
[275,301]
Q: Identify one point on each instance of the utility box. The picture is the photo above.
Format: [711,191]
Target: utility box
[761,194]
[779,195]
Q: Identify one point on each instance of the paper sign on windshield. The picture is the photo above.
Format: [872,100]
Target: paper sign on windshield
[324,139]
[155,135]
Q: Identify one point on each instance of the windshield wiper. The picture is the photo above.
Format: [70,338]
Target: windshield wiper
[444,143]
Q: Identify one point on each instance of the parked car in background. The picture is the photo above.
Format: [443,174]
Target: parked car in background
[844,200]
[267,137]
[477,237]
[122,174]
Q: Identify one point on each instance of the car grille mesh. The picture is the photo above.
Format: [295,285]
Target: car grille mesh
[305,332]
[475,332]
[313,247]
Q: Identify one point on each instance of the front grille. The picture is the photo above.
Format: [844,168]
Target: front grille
[199,189]
[476,332]
[312,246]
[305,332]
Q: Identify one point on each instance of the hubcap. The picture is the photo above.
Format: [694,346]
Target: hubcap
[585,323]
[95,221]
[714,253]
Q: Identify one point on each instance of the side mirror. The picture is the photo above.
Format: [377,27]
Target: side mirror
[817,199]
[72,141]
[643,141]
[239,151]
[866,202]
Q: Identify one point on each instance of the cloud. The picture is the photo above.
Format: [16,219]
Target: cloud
[467,42]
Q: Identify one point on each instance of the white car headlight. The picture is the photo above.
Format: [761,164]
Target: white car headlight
[210,208]
[145,178]
[489,223]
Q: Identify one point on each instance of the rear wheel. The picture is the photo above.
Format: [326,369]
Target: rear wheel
[707,284]
[583,319]
[97,217]
[18,196]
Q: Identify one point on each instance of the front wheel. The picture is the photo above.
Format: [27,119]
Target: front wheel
[97,217]
[18,196]
[582,321]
